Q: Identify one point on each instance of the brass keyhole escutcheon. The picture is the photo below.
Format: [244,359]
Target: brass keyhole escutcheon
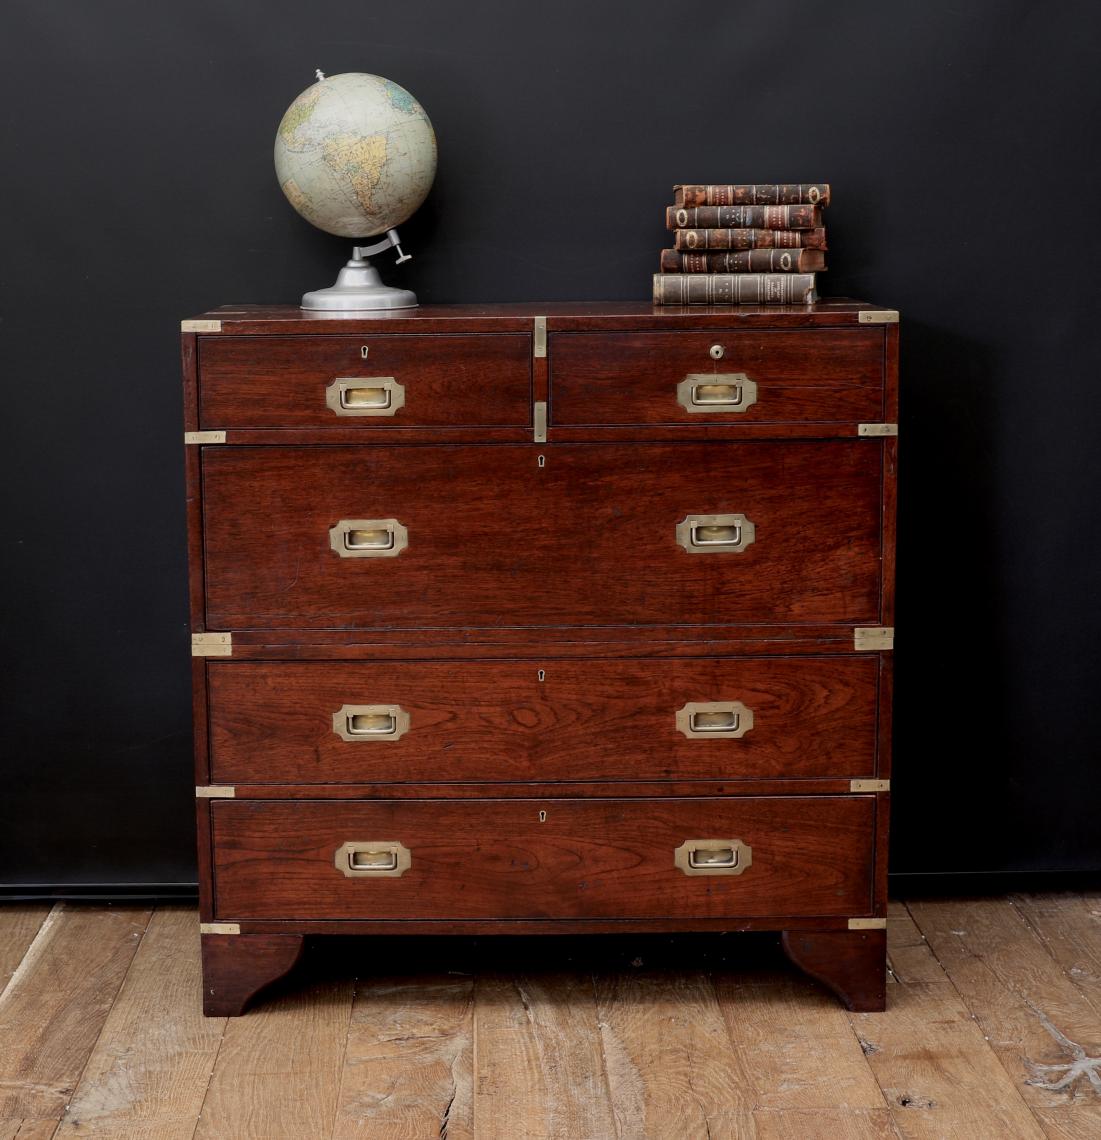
[716,352]
[542,674]
[542,817]
[363,351]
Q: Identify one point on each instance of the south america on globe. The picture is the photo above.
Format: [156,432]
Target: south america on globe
[355,155]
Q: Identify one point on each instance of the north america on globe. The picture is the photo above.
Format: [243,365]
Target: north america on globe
[355,154]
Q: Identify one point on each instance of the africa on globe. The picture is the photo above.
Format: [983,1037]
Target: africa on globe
[355,154]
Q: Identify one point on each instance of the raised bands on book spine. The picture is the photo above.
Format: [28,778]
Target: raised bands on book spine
[734,288]
[752,194]
[746,217]
[744,261]
[749,239]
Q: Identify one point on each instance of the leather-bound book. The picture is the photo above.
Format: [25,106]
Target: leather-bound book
[748,217]
[753,194]
[749,239]
[734,288]
[744,261]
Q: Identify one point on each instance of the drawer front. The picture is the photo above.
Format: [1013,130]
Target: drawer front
[792,856]
[328,382]
[696,378]
[601,534]
[485,721]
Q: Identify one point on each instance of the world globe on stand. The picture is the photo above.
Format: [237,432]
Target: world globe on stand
[355,155]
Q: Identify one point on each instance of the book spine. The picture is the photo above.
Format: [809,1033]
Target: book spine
[744,261]
[746,217]
[749,239]
[756,194]
[734,288]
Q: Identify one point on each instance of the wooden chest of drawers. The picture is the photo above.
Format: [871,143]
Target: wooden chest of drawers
[559,618]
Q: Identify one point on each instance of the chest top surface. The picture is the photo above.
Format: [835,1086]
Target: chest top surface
[580,316]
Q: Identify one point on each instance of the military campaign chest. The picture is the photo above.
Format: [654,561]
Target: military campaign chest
[552,618]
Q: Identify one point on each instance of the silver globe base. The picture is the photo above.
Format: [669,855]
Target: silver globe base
[359,289]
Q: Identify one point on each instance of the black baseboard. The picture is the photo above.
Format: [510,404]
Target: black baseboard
[905,885]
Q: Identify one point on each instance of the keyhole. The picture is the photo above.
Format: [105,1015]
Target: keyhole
[363,352]
[542,461]
[542,674]
[717,352]
[542,817]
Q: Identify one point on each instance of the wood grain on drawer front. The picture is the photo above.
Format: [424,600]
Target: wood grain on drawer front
[822,376]
[590,538]
[584,858]
[484,721]
[448,381]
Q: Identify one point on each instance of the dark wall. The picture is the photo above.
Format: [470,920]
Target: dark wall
[138,188]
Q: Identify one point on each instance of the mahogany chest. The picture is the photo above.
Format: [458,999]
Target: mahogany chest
[542,618]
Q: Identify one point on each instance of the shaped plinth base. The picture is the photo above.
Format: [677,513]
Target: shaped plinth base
[852,963]
[237,966]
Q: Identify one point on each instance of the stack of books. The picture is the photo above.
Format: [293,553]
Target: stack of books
[751,244]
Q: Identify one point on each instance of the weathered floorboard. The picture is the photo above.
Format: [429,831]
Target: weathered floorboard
[539,1070]
[408,1069]
[56,1002]
[149,1070]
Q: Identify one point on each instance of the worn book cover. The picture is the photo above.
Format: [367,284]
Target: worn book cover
[734,288]
[746,217]
[749,239]
[752,194]
[744,261]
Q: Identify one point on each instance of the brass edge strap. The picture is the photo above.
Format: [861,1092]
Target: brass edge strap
[200,326]
[869,785]
[867,924]
[216,792]
[874,637]
[539,337]
[219,928]
[204,437]
[212,645]
[878,317]
[876,431]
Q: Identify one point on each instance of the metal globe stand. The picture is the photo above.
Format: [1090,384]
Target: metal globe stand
[359,288]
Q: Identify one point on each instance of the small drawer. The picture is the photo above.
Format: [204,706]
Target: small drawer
[330,722]
[389,381]
[716,377]
[735,857]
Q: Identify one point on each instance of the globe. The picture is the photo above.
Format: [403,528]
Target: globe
[355,154]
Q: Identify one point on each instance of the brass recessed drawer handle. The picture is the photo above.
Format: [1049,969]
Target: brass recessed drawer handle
[714,720]
[373,859]
[702,392]
[370,722]
[713,857]
[368,538]
[715,534]
[365,396]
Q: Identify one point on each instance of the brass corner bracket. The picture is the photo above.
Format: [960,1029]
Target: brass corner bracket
[200,326]
[878,317]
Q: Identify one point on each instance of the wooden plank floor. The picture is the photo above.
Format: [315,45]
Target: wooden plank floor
[993,1032]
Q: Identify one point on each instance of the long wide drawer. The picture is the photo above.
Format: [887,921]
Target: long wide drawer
[583,720]
[577,534]
[389,381]
[614,858]
[716,377]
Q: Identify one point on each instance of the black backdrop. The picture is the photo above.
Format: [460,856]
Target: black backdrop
[137,188]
